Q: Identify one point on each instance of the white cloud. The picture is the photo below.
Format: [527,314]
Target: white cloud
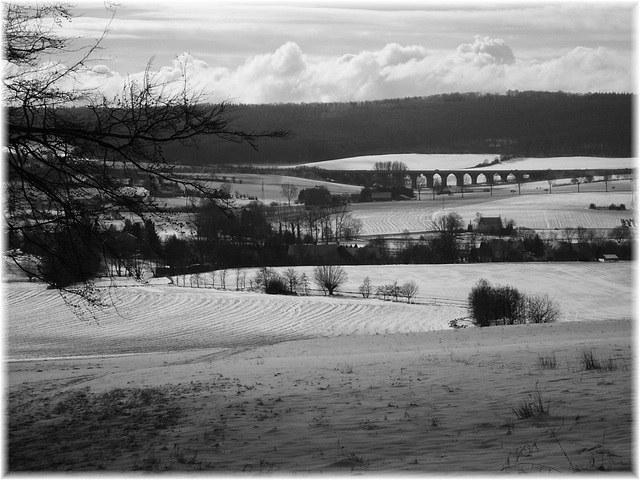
[101,70]
[286,62]
[394,54]
[486,51]
[486,64]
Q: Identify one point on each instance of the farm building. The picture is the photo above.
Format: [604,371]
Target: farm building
[609,257]
[489,225]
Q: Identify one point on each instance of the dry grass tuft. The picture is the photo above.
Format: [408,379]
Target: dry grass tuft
[547,361]
[528,408]
[590,361]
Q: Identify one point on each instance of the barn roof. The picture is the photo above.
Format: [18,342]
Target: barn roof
[490,222]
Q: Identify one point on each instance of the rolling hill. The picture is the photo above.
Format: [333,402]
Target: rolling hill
[535,124]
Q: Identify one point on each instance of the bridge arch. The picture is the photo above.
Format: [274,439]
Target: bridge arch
[421,181]
[408,182]
[436,180]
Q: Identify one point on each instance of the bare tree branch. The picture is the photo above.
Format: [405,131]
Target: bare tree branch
[72,153]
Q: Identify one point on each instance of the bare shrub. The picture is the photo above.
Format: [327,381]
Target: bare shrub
[489,305]
[238,278]
[263,276]
[329,277]
[509,305]
[365,287]
[409,290]
[271,282]
[351,228]
[480,303]
[541,309]
[289,191]
[291,278]
[393,289]
[303,284]
[222,274]
[276,285]
[390,290]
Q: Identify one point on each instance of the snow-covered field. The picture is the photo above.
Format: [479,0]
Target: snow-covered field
[535,208]
[417,161]
[163,317]
[254,185]
[538,211]
[187,379]
[174,378]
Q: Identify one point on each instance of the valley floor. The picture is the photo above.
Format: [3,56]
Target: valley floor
[431,402]
[180,379]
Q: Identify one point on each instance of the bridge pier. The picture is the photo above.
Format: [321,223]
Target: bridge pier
[515,176]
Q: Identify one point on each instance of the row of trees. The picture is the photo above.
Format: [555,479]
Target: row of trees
[389,291]
[256,235]
[391,173]
[328,278]
[315,223]
[447,244]
[487,304]
[577,244]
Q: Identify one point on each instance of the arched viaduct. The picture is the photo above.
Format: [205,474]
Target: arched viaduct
[480,176]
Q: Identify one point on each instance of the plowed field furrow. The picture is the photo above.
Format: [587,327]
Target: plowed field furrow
[536,211]
[169,318]
[186,318]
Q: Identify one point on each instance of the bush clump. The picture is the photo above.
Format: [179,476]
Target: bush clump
[271,282]
[277,286]
[505,305]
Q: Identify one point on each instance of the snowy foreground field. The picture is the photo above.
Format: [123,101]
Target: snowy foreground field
[184,379]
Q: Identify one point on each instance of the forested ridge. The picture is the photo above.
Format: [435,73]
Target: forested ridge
[534,124]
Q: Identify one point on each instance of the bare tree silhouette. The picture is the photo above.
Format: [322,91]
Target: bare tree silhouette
[71,151]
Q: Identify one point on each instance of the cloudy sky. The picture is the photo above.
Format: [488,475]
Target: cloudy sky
[254,51]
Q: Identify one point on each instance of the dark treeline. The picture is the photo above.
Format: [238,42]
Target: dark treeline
[256,235]
[537,124]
